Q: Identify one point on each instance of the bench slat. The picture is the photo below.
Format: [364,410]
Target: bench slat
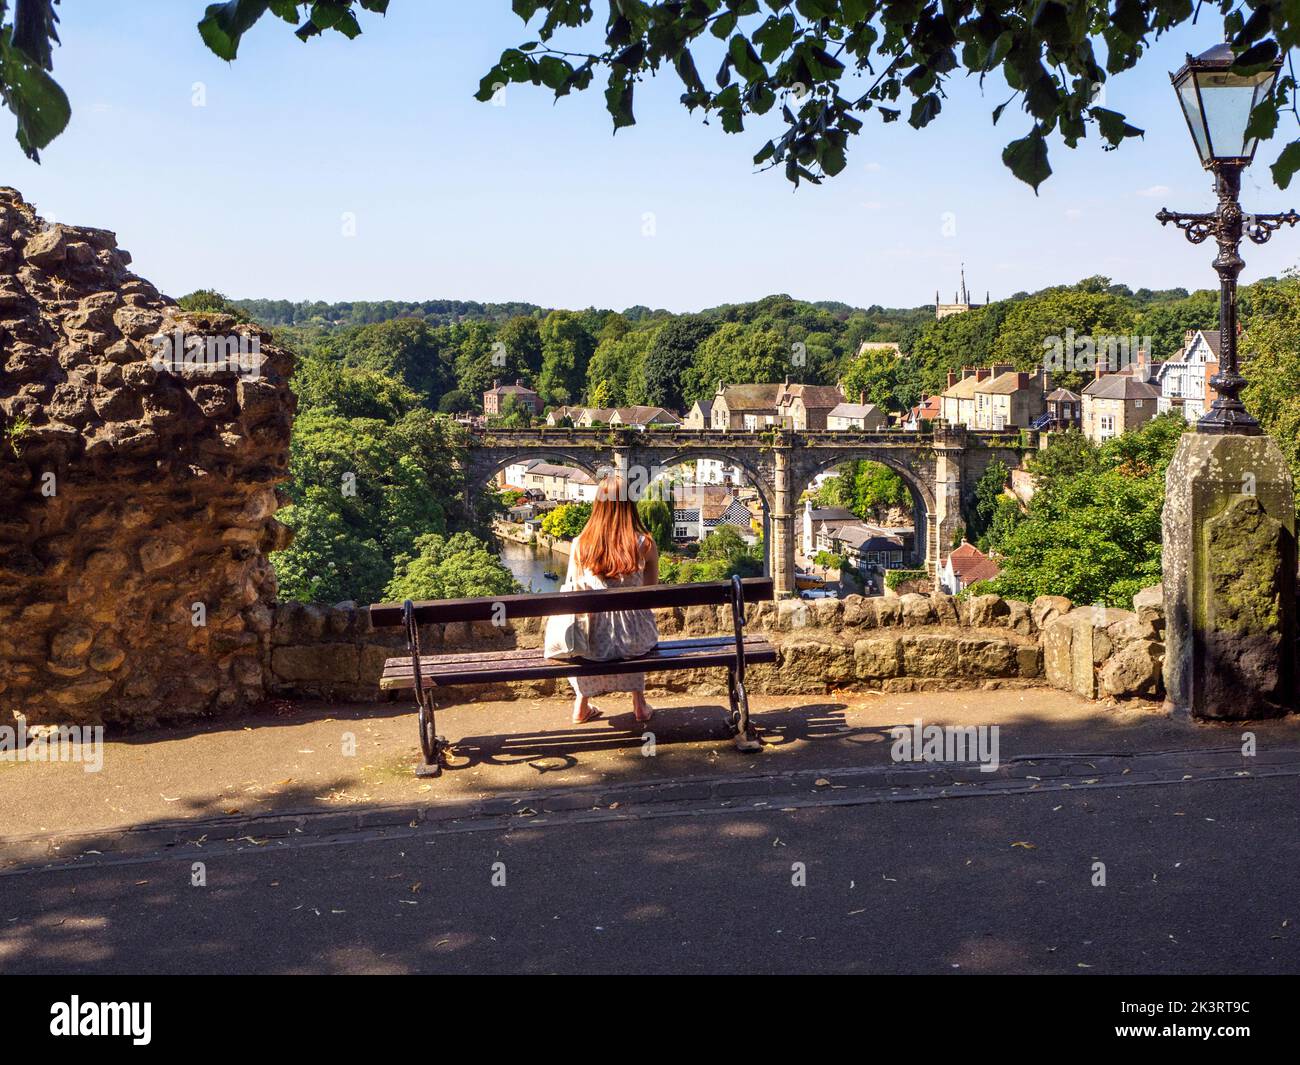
[547,604]
[528,663]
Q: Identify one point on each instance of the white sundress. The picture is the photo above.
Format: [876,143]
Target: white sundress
[615,633]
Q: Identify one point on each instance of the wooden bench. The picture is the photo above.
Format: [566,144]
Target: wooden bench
[421,672]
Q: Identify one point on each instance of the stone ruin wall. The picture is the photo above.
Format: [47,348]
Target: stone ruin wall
[127,494]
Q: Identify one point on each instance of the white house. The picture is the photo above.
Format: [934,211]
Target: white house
[699,509]
[1184,378]
[966,565]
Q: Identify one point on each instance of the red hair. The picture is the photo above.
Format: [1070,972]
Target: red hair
[610,543]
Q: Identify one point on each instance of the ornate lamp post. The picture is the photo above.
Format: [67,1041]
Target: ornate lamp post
[1217,104]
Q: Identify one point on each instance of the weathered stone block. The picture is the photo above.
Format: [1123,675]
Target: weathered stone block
[917,610]
[984,611]
[321,662]
[930,656]
[877,657]
[985,658]
[1046,607]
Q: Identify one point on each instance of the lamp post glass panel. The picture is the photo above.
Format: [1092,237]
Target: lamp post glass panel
[1217,101]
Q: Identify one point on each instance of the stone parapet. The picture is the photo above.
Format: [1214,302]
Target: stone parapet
[910,643]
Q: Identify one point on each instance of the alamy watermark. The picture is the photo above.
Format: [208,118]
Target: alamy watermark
[1087,353]
[194,354]
[50,743]
[946,743]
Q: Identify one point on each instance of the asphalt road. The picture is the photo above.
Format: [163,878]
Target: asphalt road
[1200,877]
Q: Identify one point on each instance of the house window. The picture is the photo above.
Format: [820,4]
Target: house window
[1137,403]
[1108,423]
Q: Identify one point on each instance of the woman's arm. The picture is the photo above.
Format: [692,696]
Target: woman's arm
[650,575]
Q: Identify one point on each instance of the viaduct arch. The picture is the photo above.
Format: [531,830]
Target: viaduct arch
[940,468]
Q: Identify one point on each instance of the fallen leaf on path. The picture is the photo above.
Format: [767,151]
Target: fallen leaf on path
[1024,843]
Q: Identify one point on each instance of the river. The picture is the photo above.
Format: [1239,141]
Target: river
[529,565]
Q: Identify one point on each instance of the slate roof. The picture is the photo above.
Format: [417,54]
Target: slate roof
[1120,386]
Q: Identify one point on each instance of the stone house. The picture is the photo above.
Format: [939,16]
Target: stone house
[699,509]
[930,409]
[593,416]
[494,399]
[1009,400]
[566,484]
[957,401]
[804,407]
[744,406]
[1064,411]
[864,416]
[643,417]
[556,415]
[1116,403]
[699,416]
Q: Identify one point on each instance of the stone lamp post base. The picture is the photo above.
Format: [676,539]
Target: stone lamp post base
[1230,578]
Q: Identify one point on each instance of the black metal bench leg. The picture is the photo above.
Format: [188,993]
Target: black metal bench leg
[433,746]
[747,738]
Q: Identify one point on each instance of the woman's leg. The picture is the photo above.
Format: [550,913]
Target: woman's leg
[643,710]
[583,711]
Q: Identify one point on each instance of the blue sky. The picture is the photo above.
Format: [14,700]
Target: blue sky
[537,201]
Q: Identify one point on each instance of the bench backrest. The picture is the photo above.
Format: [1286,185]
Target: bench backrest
[506,607]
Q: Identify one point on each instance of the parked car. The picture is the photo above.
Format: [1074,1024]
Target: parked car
[819,593]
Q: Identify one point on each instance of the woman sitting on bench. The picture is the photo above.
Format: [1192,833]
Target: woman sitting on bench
[614,550]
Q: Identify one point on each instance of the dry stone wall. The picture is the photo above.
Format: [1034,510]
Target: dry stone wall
[909,643]
[136,504]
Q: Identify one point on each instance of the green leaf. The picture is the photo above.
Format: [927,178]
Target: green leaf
[924,111]
[618,102]
[745,59]
[41,107]
[554,73]
[1027,159]
[224,25]
[1112,125]
[1287,164]
[685,65]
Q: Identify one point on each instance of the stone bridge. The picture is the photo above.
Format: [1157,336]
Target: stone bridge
[940,469]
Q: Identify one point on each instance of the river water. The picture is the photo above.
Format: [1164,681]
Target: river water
[529,565]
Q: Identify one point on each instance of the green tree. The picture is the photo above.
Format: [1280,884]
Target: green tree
[478,360]
[1032,322]
[521,339]
[1092,530]
[989,492]
[406,349]
[1271,347]
[873,375]
[455,567]
[657,517]
[737,354]
[566,349]
[670,356]
[567,520]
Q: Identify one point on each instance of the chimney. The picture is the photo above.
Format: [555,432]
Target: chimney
[952,378]
[495,383]
[982,373]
